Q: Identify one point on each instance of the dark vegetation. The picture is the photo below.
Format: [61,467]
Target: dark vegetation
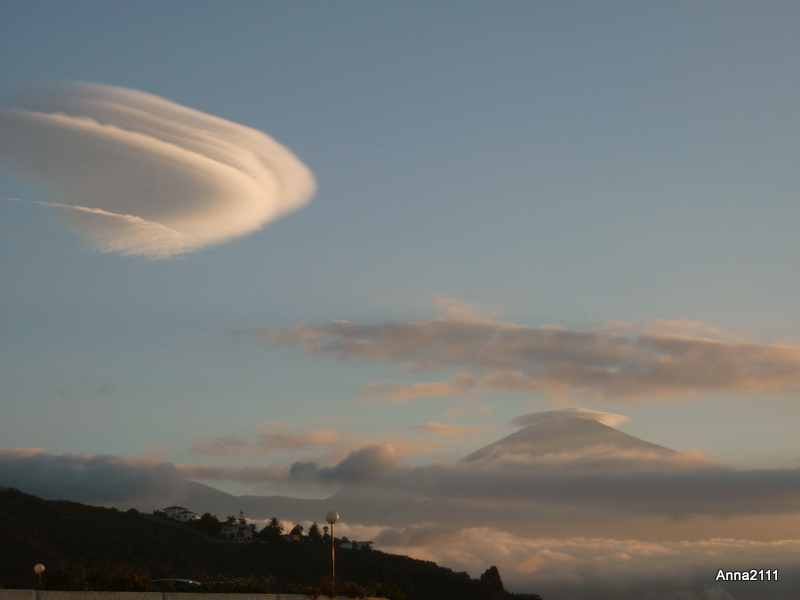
[88,547]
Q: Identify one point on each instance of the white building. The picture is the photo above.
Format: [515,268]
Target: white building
[179,513]
[237,532]
[354,545]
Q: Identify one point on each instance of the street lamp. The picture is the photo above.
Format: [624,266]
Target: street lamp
[332,517]
[39,569]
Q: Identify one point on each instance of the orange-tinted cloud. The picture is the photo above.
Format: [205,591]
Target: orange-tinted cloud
[267,439]
[500,357]
[460,383]
[447,430]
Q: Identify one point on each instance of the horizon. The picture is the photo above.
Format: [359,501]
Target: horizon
[310,249]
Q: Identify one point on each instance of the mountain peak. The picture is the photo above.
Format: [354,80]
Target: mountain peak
[610,419]
[565,436]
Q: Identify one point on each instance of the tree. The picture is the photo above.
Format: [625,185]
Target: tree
[297,530]
[492,584]
[272,531]
[276,524]
[313,533]
[208,524]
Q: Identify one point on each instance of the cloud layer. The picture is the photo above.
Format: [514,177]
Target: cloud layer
[365,464]
[669,360]
[603,568]
[564,526]
[595,484]
[139,175]
[99,479]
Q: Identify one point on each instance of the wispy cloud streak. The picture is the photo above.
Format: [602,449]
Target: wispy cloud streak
[272,441]
[136,174]
[267,441]
[497,357]
[447,430]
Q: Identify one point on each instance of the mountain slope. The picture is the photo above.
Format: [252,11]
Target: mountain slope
[566,436]
[202,498]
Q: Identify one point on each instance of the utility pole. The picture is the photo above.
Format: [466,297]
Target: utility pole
[332,517]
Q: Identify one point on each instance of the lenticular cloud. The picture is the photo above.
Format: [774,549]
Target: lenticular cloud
[136,174]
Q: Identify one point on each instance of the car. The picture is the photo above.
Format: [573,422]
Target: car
[174,585]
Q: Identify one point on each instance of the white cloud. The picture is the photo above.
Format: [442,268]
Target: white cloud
[609,419]
[137,174]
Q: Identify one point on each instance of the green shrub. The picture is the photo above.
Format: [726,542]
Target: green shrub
[67,577]
[390,591]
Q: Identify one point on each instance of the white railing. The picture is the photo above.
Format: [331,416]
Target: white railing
[56,595]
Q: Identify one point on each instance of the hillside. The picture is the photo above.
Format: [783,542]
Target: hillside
[51,532]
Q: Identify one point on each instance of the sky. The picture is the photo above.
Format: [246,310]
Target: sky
[360,234]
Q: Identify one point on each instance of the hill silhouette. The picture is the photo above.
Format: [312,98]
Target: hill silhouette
[57,532]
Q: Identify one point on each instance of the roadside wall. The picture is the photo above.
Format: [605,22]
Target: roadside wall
[55,595]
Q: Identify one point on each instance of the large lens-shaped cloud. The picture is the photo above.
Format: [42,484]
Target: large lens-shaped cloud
[137,174]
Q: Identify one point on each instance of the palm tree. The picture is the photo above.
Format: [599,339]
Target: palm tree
[275,524]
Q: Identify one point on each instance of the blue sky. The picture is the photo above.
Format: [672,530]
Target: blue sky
[570,164]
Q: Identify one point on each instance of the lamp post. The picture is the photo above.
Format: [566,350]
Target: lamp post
[39,569]
[332,517]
